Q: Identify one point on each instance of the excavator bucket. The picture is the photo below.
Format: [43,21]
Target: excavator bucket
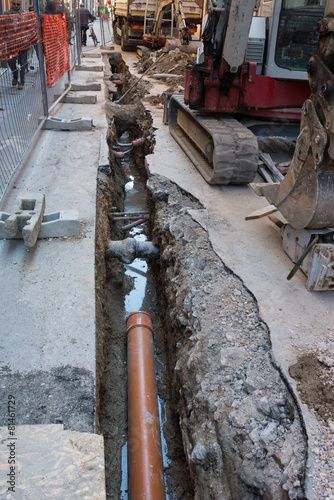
[305,197]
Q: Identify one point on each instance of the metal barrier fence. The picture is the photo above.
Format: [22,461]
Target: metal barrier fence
[105,30]
[19,114]
[22,111]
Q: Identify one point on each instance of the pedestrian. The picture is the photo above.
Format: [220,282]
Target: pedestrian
[21,59]
[85,18]
[50,8]
[61,9]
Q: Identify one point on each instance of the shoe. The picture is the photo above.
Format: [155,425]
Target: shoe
[14,82]
[20,86]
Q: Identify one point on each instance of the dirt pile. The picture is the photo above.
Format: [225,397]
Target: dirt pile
[240,425]
[315,383]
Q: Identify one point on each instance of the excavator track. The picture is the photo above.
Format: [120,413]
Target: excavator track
[222,149]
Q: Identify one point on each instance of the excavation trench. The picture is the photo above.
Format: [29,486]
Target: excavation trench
[231,426]
[131,287]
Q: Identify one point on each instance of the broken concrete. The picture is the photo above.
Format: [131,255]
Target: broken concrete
[297,322]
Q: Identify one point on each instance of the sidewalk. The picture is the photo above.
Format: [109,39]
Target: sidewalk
[48,330]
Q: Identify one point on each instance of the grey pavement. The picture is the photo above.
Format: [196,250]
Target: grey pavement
[47,329]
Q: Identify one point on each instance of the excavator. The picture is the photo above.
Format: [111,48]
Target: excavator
[187,21]
[272,62]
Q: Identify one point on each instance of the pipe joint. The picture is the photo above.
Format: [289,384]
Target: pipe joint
[130,249]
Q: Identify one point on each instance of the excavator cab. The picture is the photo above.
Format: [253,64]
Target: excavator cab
[292,36]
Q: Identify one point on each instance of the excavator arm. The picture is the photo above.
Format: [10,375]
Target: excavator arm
[183,29]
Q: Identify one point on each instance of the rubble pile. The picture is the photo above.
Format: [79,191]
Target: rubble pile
[173,63]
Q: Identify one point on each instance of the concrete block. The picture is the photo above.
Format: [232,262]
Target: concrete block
[88,55]
[54,225]
[72,98]
[53,123]
[27,218]
[60,224]
[108,52]
[80,67]
[76,87]
[107,47]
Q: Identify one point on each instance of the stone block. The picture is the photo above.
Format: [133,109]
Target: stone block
[110,48]
[52,463]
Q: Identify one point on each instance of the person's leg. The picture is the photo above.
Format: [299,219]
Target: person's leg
[85,35]
[22,58]
[12,65]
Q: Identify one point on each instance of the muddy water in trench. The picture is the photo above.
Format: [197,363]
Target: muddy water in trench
[131,287]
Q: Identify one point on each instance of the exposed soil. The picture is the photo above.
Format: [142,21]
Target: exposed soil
[61,396]
[132,118]
[315,377]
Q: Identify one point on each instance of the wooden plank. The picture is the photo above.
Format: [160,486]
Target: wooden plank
[262,212]
[257,187]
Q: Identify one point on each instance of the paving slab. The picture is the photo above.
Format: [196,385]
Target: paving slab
[46,461]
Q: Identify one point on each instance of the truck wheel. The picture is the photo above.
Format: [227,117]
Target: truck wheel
[124,40]
[117,38]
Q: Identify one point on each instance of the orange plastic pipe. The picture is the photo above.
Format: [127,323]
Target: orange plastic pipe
[145,467]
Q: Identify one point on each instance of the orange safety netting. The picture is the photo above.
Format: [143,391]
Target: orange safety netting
[17,32]
[56,47]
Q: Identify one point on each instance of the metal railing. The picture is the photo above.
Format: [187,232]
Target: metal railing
[105,31]
[22,112]
[19,114]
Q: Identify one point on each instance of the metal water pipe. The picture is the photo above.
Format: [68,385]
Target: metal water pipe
[146,479]
[129,249]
